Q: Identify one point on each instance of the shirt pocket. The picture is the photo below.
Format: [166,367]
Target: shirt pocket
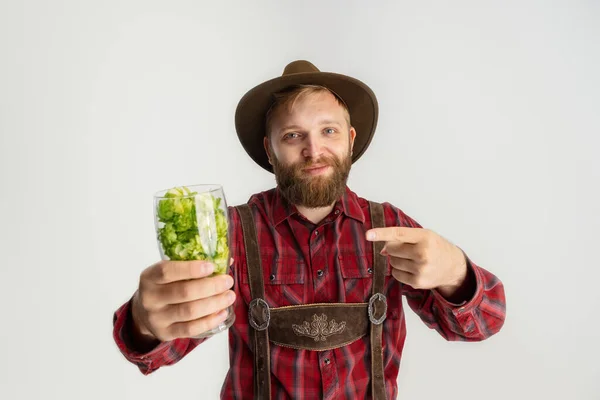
[357,274]
[283,281]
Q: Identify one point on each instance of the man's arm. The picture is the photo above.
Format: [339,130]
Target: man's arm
[141,348]
[447,290]
[480,315]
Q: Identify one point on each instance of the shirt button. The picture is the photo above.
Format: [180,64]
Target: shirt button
[320,272]
[327,361]
[316,233]
[272,277]
[337,212]
[370,270]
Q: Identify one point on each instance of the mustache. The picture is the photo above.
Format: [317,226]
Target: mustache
[323,161]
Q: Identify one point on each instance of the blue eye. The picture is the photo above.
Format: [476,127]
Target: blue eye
[329,130]
[291,135]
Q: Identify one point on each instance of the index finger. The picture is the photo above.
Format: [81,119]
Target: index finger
[172,271]
[394,234]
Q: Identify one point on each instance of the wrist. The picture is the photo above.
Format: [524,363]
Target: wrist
[461,286]
[142,339]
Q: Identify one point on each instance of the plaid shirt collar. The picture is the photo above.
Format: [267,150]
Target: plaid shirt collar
[348,205]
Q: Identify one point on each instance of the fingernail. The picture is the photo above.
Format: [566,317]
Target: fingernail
[209,268]
[231,297]
[370,235]
[222,315]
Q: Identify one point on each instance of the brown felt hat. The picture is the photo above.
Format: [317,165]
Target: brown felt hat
[252,109]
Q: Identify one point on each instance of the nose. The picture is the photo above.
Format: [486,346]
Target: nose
[313,147]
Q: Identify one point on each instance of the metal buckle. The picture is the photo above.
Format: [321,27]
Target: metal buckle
[265,313]
[377,297]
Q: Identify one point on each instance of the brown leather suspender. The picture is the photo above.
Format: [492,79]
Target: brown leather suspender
[259,335]
[379,266]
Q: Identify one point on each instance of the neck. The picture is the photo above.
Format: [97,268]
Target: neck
[315,215]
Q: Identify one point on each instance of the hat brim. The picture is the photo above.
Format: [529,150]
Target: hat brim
[252,108]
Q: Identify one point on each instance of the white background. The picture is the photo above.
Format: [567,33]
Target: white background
[488,134]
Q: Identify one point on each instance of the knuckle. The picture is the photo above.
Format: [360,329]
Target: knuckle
[162,271]
[186,311]
[216,286]
[421,253]
[202,326]
[181,329]
[184,291]
[145,273]
[148,271]
[398,232]
[187,266]
[216,303]
[172,332]
[146,300]
[184,330]
[205,324]
[191,330]
[211,304]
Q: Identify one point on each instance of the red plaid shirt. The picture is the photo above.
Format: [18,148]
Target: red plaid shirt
[327,262]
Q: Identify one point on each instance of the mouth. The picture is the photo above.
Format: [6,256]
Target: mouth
[316,169]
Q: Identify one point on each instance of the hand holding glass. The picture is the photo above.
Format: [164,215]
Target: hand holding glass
[192,224]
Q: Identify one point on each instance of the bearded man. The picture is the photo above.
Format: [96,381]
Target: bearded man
[318,272]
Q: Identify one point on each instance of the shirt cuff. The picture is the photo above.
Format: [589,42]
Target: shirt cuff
[122,324]
[465,306]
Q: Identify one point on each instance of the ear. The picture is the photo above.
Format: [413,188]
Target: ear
[267,148]
[352,136]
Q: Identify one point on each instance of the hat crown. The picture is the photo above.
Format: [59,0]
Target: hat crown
[299,67]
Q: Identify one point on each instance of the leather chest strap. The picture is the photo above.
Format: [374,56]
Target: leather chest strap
[258,337]
[379,267]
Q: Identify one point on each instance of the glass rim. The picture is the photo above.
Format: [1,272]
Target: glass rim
[206,188]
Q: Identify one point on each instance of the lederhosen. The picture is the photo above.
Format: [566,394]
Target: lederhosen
[319,326]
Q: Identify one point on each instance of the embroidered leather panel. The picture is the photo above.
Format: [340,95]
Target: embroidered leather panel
[318,326]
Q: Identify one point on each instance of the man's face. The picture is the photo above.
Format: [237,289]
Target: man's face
[310,149]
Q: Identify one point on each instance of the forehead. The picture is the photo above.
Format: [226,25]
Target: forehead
[311,106]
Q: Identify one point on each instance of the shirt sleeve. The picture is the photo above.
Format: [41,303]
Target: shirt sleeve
[476,319]
[166,353]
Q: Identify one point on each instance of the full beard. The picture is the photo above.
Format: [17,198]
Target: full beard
[308,191]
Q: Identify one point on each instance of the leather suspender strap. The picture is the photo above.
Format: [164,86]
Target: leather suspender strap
[259,335]
[377,306]
[257,289]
